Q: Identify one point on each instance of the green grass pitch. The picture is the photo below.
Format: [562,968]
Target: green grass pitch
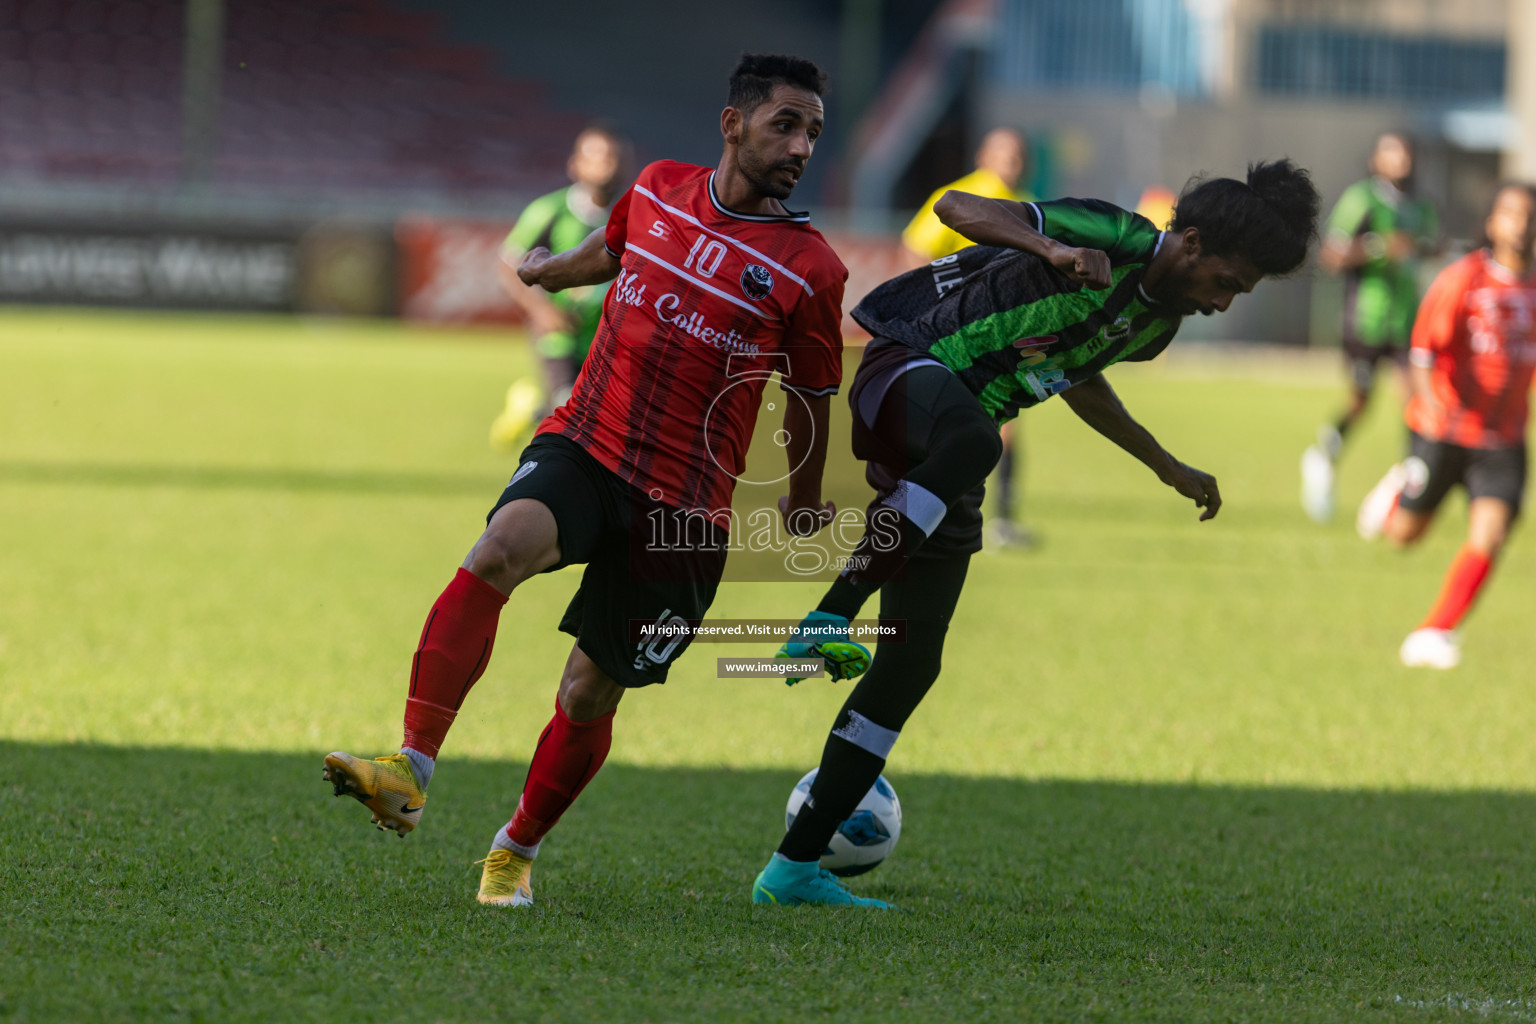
[1172,771]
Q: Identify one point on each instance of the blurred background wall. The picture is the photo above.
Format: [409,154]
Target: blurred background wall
[366,156]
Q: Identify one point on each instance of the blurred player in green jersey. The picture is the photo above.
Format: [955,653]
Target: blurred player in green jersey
[1002,163]
[1375,236]
[1053,294]
[562,324]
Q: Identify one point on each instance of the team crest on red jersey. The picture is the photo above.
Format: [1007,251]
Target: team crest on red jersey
[657,402]
[756,281]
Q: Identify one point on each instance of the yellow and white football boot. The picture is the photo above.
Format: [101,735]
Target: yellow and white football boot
[385,785]
[504,881]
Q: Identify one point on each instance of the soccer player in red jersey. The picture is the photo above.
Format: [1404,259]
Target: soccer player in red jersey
[717,282]
[1474,350]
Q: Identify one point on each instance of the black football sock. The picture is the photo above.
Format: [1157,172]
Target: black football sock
[879,706]
[849,766]
[879,556]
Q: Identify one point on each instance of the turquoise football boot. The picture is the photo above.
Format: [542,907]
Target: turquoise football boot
[789,883]
[825,636]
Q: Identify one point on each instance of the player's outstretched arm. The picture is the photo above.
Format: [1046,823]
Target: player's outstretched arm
[1097,405]
[805,442]
[538,311]
[588,263]
[1005,222]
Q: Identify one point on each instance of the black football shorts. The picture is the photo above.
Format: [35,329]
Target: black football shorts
[1434,467]
[647,563]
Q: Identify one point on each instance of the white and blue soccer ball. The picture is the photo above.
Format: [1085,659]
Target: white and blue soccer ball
[869,835]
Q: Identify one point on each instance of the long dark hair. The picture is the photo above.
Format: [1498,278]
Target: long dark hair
[1270,219]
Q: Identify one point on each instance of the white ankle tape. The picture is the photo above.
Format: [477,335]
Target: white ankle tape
[421,765]
[866,735]
[504,842]
[924,508]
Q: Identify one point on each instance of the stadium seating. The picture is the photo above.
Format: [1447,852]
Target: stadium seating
[328,96]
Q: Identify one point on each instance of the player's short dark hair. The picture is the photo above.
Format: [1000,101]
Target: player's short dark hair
[603,128]
[1270,219]
[757,73]
[1506,184]
[1499,188]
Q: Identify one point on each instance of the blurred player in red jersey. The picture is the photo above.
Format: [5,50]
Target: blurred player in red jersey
[1470,367]
[716,282]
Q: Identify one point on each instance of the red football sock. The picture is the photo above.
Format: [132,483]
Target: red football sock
[1463,580]
[568,755]
[455,647]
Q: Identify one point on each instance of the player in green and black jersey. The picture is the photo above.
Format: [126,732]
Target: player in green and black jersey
[1055,293]
[1374,238]
[1016,330]
[562,324]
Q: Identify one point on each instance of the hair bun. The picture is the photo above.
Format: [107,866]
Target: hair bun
[1288,190]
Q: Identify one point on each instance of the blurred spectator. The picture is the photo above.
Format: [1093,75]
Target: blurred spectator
[1002,160]
[562,325]
[1375,237]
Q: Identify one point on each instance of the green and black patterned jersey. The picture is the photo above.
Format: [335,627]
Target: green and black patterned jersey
[1016,330]
[1381,296]
[559,221]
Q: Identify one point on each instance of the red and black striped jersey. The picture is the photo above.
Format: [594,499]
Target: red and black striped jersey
[1476,331]
[708,305]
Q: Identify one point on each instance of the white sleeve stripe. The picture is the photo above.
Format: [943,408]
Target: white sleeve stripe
[609,250]
[813,392]
[1421,357]
[1039,217]
[707,287]
[744,247]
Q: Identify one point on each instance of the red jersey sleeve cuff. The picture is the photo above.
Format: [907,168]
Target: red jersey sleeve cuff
[609,250]
[1421,357]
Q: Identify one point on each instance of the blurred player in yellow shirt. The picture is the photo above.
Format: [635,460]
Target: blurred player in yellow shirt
[1001,162]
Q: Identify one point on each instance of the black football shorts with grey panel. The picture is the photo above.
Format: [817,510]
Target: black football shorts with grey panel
[646,562]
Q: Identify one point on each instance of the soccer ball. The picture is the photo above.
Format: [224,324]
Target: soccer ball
[862,842]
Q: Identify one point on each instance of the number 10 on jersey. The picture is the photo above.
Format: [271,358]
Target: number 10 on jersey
[705,256]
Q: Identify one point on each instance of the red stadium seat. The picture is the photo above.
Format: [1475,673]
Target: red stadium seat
[332,96]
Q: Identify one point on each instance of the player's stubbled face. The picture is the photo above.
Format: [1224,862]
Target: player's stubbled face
[777,139]
[1208,284]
